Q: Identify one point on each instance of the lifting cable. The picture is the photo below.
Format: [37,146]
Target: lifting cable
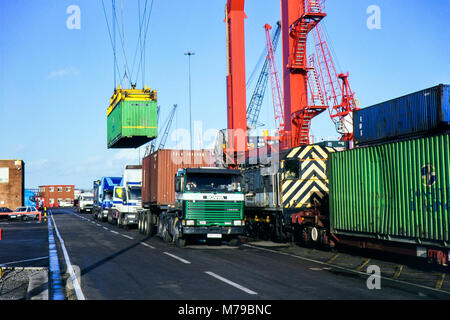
[113,45]
[144,21]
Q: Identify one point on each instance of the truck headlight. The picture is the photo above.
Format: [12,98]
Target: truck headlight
[190,222]
[237,222]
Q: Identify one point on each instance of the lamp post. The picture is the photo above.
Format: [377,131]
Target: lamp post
[189,54]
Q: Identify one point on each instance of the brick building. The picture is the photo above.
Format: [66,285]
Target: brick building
[53,195]
[12,178]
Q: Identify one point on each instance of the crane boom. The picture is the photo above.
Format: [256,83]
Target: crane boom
[254,107]
[277,94]
[167,126]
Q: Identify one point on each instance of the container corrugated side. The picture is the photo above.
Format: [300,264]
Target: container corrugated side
[159,169]
[131,124]
[415,114]
[398,191]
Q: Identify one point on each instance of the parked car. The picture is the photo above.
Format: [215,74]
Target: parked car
[4,210]
[19,213]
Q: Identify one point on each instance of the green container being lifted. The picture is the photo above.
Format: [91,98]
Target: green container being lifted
[395,192]
[132,118]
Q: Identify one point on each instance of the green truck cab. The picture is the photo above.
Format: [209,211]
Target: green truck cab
[209,203]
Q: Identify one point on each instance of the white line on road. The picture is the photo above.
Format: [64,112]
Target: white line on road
[76,284]
[147,245]
[231,283]
[114,231]
[105,228]
[20,261]
[178,258]
[124,235]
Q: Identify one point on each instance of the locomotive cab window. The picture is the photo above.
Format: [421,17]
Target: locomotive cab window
[292,169]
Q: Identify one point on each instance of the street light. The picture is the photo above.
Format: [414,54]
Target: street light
[189,54]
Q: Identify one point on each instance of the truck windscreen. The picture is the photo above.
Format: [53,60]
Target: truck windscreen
[218,183]
[135,194]
[108,194]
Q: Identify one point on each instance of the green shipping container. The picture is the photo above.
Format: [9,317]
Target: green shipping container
[398,191]
[132,123]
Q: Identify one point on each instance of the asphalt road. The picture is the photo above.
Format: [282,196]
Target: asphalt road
[24,244]
[113,263]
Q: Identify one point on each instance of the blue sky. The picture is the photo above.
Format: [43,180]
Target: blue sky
[55,83]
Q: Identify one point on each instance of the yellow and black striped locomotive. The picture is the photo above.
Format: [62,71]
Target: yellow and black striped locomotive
[286,197]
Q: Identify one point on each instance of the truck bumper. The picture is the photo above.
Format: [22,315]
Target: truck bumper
[105,213]
[213,231]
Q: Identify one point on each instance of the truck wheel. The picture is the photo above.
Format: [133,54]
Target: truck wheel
[167,237]
[151,226]
[148,225]
[119,220]
[179,240]
[140,223]
[234,242]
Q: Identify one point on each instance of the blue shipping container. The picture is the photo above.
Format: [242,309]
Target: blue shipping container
[413,115]
[29,199]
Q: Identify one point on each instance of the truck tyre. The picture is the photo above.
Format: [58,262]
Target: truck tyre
[167,237]
[150,227]
[179,240]
[140,223]
[119,220]
[234,242]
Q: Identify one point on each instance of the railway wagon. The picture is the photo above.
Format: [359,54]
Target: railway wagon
[393,197]
[286,197]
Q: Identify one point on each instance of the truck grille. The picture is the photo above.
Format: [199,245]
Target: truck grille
[214,211]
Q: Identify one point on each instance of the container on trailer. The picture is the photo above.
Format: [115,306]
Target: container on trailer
[132,118]
[413,115]
[396,191]
[159,169]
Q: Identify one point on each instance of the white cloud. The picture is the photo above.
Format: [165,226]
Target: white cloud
[66,72]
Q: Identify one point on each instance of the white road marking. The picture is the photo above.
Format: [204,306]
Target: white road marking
[124,235]
[178,258]
[114,231]
[76,284]
[147,245]
[20,261]
[231,283]
[105,228]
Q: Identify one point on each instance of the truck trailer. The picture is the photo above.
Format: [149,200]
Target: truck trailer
[127,198]
[184,198]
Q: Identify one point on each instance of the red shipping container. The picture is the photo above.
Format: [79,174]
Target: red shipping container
[159,169]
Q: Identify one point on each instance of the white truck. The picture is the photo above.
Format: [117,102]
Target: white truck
[127,198]
[85,202]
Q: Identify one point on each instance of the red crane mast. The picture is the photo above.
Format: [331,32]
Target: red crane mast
[298,18]
[236,91]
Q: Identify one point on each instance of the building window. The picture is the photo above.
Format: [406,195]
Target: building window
[51,189]
[67,189]
[59,189]
[52,201]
